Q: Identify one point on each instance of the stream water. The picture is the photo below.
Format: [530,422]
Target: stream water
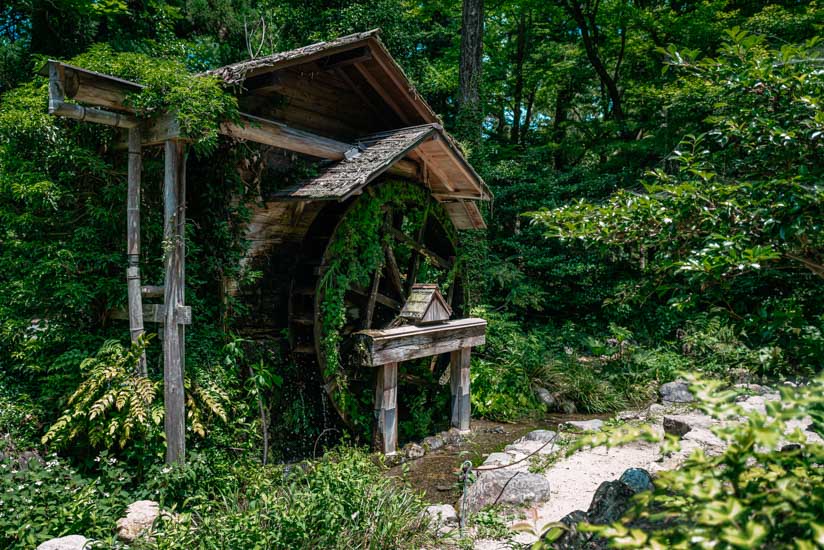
[436,473]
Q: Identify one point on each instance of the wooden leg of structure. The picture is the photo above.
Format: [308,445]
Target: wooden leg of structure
[133,244]
[459,382]
[175,414]
[385,436]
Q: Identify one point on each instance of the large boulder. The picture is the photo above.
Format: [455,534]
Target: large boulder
[543,436]
[140,517]
[677,391]
[611,501]
[505,487]
[71,542]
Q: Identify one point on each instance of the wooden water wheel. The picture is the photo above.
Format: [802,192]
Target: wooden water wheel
[413,241]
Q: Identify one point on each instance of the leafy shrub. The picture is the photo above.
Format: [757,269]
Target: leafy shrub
[115,404]
[341,501]
[505,369]
[51,500]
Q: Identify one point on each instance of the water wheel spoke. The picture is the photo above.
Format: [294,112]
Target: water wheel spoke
[421,249]
[370,302]
[415,257]
[379,298]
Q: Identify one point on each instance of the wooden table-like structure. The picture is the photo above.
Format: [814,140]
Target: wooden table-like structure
[385,349]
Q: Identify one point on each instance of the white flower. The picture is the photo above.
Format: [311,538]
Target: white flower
[667,220]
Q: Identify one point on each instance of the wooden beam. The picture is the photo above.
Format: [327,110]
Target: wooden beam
[396,75]
[387,97]
[459,386]
[385,432]
[173,396]
[156,313]
[380,298]
[358,55]
[405,343]
[401,236]
[277,134]
[92,114]
[433,167]
[152,291]
[133,244]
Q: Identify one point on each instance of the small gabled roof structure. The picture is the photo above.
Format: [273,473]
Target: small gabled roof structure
[364,50]
[425,304]
[377,153]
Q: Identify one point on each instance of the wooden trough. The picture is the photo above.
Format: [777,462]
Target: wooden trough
[346,107]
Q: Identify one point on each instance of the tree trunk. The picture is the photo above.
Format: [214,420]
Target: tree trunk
[518,93]
[589,36]
[562,102]
[470,111]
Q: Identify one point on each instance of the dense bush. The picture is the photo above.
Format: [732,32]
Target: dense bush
[341,501]
[766,490]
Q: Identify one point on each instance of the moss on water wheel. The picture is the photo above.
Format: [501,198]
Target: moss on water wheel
[387,239]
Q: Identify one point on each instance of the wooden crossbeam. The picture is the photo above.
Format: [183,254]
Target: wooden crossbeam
[156,313]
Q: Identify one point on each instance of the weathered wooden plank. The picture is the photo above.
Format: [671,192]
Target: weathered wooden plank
[459,385]
[385,432]
[133,243]
[156,313]
[413,342]
[174,400]
[92,114]
[276,134]
[152,291]
[379,88]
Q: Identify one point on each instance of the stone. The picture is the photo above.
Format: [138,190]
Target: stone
[572,539]
[543,436]
[441,515]
[545,397]
[71,542]
[757,389]
[637,479]
[140,517]
[593,425]
[755,403]
[433,443]
[677,391]
[498,459]
[567,407]
[676,426]
[656,410]
[505,487]
[413,451]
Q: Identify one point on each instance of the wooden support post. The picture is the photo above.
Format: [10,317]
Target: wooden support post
[385,433]
[459,382]
[133,244]
[175,414]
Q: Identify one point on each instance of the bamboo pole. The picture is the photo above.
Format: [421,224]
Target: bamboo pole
[175,414]
[133,244]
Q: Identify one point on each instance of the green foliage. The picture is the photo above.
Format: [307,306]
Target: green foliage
[740,209]
[756,494]
[504,370]
[341,501]
[115,404]
[354,255]
[50,500]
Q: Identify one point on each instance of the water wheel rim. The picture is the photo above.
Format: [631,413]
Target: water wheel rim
[330,379]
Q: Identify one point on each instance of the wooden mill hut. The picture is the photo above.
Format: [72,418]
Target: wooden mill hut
[344,113]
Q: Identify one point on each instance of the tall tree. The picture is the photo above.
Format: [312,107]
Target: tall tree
[470,115]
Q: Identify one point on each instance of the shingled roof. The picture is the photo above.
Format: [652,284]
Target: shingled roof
[384,64]
[377,153]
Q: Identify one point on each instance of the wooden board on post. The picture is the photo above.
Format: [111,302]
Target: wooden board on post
[174,400]
[459,384]
[385,432]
